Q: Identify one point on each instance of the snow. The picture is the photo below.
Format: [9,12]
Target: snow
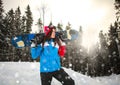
[27,73]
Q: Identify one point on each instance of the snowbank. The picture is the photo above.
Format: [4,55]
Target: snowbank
[27,73]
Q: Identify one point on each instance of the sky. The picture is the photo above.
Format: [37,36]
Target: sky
[11,74]
[92,15]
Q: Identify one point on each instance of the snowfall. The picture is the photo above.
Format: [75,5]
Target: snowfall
[27,73]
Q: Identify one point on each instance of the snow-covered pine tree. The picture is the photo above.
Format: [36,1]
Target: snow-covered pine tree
[1,23]
[60,26]
[29,19]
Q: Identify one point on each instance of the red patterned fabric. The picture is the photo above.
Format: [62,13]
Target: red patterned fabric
[62,51]
[46,30]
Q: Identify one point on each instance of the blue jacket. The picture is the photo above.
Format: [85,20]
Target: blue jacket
[49,57]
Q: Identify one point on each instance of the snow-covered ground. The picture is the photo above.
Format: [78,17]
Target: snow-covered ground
[27,73]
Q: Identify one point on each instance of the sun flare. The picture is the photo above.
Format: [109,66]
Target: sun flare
[89,40]
[89,14]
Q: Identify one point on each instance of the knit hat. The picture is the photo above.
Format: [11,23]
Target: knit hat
[46,30]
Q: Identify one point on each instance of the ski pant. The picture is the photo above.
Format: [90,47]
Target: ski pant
[60,75]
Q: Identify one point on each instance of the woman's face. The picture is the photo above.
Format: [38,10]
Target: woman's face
[53,33]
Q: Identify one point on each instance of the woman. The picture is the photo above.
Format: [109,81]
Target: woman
[49,52]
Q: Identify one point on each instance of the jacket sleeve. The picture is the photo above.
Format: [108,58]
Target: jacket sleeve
[62,50]
[36,52]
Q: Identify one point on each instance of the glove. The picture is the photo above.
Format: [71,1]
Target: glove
[59,35]
[39,38]
[33,43]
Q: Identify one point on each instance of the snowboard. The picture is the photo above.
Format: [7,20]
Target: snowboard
[24,40]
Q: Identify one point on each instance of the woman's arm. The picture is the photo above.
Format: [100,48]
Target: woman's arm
[36,51]
[62,48]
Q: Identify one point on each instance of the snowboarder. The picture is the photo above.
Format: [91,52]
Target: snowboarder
[50,50]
